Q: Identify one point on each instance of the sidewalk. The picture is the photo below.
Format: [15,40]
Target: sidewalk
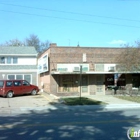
[56,103]
[109,99]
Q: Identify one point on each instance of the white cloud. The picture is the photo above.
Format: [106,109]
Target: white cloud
[117,42]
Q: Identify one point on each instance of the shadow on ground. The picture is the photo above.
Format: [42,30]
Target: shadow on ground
[67,124]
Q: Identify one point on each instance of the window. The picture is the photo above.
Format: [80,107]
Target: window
[11,77]
[99,67]
[15,60]
[9,83]
[1,83]
[19,77]
[17,83]
[136,80]
[9,60]
[27,78]
[25,83]
[2,60]
[68,83]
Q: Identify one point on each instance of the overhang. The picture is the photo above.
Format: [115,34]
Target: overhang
[94,72]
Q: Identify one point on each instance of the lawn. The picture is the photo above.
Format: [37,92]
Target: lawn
[130,98]
[82,101]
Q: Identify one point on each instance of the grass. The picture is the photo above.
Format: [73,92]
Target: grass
[130,98]
[83,101]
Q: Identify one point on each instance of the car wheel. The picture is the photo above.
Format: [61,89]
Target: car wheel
[10,94]
[34,92]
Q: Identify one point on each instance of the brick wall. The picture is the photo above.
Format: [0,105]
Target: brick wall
[75,55]
[69,55]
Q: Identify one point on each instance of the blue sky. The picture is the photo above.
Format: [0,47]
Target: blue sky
[97,23]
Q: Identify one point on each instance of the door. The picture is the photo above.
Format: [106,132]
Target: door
[99,84]
[26,87]
[17,87]
[84,84]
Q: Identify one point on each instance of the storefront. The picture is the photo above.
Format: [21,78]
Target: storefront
[110,81]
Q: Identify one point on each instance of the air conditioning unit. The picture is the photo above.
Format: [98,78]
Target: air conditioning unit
[112,68]
[76,69]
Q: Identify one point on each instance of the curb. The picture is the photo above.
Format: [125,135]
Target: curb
[29,110]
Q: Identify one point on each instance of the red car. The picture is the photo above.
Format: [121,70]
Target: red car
[9,88]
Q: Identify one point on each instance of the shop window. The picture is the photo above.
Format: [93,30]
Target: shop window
[121,80]
[136,80]
[68,83]
[109,79]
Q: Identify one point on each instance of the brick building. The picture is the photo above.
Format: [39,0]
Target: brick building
[61,69]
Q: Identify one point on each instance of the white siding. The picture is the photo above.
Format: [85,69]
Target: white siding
[27,61]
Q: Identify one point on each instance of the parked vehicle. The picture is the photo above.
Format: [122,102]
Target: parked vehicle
[9,88]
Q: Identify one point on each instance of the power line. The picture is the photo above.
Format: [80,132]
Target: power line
[91,15]
[29,14]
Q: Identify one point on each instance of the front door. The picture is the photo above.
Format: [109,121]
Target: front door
[84,84]
[100,84]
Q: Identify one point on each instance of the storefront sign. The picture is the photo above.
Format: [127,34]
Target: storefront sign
[43,64]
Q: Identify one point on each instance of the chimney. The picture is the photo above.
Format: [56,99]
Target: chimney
[53,45]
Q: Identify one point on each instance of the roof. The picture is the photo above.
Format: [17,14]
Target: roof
[13,50]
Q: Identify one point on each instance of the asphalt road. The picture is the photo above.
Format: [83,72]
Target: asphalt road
[66,124]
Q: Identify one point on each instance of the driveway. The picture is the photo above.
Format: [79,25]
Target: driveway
[25,101]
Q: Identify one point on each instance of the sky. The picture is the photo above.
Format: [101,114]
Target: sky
[89,23]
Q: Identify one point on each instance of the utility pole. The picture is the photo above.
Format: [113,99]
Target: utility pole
[80,80]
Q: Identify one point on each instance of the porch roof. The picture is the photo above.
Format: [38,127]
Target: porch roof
[93,72]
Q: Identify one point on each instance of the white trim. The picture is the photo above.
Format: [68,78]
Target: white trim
[22,76]
[18,64]
[93,72]
[37,79]
[18,54]
[33,70]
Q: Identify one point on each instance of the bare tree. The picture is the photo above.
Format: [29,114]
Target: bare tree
[129,58]
[13,42]
[39,45]
[32,40]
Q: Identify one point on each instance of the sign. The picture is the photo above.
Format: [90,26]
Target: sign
[43,64]
[131,133]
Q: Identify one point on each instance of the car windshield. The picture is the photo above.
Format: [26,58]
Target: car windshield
[1,83]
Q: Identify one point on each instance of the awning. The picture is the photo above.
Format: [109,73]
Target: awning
[92,72]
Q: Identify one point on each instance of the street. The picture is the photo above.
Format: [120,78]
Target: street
[70,124]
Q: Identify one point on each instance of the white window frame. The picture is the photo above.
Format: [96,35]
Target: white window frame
[4,60]
[96,67]
[22,76]
[12,60]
